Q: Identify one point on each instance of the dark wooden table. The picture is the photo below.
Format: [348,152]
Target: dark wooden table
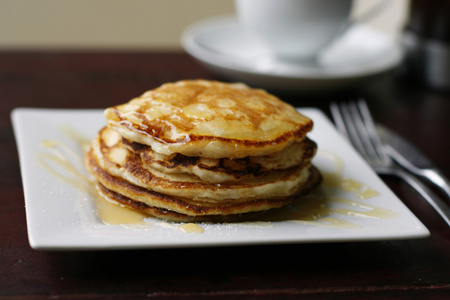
[403,269]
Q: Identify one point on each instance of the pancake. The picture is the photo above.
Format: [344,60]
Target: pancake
[185,209]
[224,169]
[209,119]
[169,215]
[118,161]
[204,151]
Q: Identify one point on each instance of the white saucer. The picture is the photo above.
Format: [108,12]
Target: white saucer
[222,45]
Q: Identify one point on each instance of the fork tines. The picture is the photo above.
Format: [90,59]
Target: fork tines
[354,121]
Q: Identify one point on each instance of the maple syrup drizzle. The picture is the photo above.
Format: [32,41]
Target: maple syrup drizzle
[314,209]
[58,163]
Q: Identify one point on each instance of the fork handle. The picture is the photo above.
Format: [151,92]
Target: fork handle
[432,174]
[440,206]
[438,178]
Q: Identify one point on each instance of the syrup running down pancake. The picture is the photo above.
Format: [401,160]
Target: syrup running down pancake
[205,151]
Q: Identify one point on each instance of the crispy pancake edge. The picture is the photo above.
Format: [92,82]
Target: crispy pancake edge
[276,183]
[173,216]
[190,207]
[224,169]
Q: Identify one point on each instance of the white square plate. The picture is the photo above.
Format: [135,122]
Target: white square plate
[62,217]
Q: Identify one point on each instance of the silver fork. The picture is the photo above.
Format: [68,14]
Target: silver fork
[354,121]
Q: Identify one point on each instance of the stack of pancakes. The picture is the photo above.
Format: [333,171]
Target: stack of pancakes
[204,151]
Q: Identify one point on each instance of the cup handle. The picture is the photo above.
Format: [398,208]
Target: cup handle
[365,16]
[371,12]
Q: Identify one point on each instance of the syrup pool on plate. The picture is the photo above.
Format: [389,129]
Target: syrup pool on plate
[319,208]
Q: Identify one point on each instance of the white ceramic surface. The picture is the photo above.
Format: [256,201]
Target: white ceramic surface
[223,46]
[294,29]
[61,217]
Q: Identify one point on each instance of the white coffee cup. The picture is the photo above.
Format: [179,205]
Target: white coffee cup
[295,30]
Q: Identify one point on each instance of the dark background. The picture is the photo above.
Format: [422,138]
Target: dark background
[403,269]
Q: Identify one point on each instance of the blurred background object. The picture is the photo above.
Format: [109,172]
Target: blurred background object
[426,43]
[129,25]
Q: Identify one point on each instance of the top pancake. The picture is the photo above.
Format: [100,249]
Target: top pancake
[209,119]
